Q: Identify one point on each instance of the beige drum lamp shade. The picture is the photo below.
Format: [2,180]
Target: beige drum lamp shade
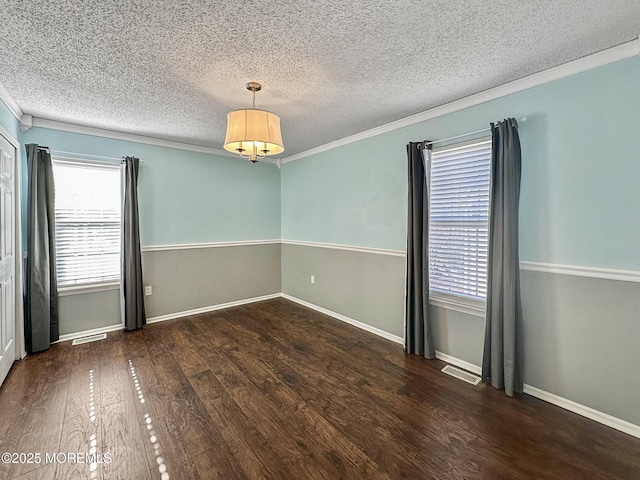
[253,132]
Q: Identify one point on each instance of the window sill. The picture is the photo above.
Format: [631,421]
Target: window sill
[83,289]
[470,307]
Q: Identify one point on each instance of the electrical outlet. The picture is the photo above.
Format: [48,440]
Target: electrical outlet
[313,279]
[148,291]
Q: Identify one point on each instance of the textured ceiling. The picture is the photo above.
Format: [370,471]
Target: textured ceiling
[329,68]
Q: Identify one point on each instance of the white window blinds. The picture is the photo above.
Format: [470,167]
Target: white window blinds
[87,207]
[458,221]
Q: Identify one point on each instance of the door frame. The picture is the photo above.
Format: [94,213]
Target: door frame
[19,255]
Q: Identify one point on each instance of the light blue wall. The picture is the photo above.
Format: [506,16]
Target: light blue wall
[8,121]
[184,197]
[187,197]
[11,125]
[580,201]
[580,205]
[353,195]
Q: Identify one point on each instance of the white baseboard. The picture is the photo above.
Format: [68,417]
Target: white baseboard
[588,412]
[469,367]
[86,333]
[583,410]
[350,321]
[221,306]
[162,318]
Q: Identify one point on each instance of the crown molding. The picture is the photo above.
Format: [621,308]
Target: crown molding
[611,55]
[26,123]
[11,104]
[127,137]
[130,137]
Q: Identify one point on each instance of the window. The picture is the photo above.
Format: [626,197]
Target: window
[458,224]
[87,207]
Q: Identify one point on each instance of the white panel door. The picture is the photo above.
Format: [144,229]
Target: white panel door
[7,257]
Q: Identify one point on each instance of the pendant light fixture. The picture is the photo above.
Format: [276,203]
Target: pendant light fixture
[253,133]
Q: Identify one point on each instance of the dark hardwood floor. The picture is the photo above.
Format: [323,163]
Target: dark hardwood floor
[276,391]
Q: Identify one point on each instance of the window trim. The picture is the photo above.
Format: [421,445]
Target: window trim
[88,288]
[83,161]
[469,306]
[449,301]
[92,287]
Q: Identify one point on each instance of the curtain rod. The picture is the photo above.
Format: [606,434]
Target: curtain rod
[75,154]
[521,120]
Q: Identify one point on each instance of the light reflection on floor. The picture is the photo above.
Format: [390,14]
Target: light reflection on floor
[162,468]
[93,441]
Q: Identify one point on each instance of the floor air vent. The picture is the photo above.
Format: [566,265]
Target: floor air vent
[90,338]
[461,374]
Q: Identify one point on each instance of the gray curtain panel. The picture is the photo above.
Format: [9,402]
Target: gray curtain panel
[131,284]
[501,363]
[41,287]
[418,337]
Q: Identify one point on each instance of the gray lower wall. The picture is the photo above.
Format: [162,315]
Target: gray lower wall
[582,340]
[364,286]
[458,334]
[86,311]
[200,277]
[182,280]
[581,334]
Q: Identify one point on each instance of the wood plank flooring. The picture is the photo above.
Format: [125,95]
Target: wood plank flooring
[273,390]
